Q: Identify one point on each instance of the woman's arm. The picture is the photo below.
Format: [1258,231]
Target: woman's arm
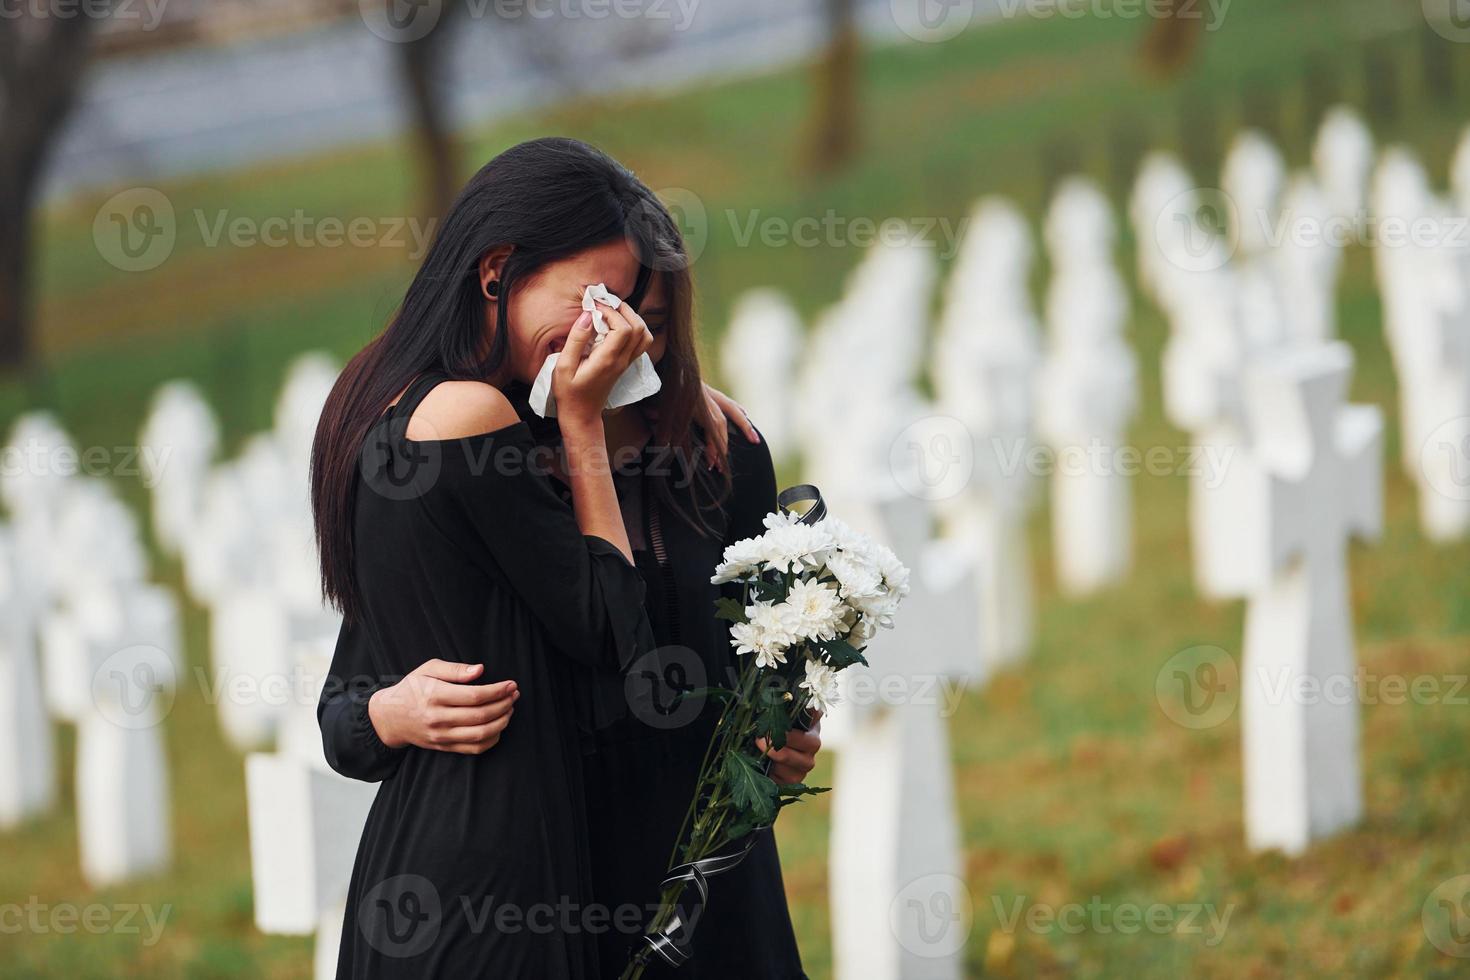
[349,740]
[572,568]
[582,382]
[365,722]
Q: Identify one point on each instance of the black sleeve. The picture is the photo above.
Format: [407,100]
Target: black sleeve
[350,742]
[753,490]
[587,596]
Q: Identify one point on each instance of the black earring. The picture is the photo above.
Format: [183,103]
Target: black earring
[492,289]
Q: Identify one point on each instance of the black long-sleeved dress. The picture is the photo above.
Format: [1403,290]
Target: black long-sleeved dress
[464,553]
[639,771]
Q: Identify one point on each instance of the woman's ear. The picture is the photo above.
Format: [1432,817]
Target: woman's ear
[491,265]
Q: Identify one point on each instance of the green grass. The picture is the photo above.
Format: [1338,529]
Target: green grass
[1072,782]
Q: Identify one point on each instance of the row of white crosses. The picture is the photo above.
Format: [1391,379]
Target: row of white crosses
[1422,277]
[1087,393]
[72,583]
[243,530]
[884,458]
[855,411]
[984,365]
[305,820]
[1251,371]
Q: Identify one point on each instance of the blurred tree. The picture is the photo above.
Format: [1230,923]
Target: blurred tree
[834,128]
[433,133]
[1173,37]
[42,57]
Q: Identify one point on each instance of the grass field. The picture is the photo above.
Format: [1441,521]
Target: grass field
[1072,782]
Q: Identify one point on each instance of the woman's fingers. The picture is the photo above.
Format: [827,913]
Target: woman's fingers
[733,411]
[717,433]
[792,763]
[633,334]
[450,671]
[803,742]
[470,695]
[474,735]
[574,348]
[450,718]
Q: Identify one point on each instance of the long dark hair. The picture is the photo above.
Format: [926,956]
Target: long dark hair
[548,199]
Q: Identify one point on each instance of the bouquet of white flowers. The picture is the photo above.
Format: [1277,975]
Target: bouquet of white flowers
[814,592]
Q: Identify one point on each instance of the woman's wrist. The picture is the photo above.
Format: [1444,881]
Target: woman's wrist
[380,713]
[581,427]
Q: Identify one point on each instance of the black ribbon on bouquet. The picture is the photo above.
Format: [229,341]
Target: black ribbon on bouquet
[671,940]
[803,500]
[668,939]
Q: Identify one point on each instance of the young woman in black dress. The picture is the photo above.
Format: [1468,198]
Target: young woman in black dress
[683,500]
[440,539]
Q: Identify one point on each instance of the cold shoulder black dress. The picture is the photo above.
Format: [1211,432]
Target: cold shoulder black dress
[468,865]
[640,764]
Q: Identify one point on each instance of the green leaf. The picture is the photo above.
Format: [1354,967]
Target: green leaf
[840,654]
[765,591]
[801,789]
[727,608]
[751,791]
[739,827]
[772,723]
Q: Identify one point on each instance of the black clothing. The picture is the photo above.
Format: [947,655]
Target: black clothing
[639,770]
[465,553]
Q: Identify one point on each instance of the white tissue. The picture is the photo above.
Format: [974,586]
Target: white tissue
[636,383]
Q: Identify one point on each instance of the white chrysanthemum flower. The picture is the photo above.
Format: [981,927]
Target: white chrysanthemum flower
[895,572]
[816,610]
[879,610]
[856,576]
[821,681]
[742,559]
[791,547]
[767,633]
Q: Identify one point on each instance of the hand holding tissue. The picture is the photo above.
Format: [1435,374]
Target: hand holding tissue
[636,383]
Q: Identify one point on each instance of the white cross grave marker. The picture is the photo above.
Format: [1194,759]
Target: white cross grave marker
[1322,482]
[27,753]
[900,908]
[1087,392]
[758,356]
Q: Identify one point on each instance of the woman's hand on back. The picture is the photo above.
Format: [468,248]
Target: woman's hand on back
[720,407]
[581,380]
[437,707]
